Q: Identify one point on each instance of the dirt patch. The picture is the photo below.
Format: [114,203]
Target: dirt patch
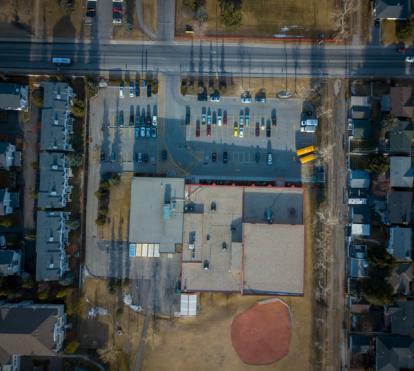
[265,18]
[388,32]
[150,14]
[118,211]
[131,31]
[261,335]
[114,329]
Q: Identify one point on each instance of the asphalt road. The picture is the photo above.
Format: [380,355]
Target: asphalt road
[207,58]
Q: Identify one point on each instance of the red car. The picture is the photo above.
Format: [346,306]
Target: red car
[208,130]
[257,130]
[225,118]
[197,129]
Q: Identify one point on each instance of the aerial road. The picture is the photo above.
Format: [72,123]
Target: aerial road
[203,58]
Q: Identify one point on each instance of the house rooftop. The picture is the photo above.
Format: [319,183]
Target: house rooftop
[401,136]
[392,9]
[401,172]
[13,97]
[360,112]
[400,278]
[400,243]
[394,353]
[402,102]
[359,179]
[361,129]
[399,205]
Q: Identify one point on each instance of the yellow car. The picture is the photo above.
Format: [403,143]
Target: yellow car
[236,130]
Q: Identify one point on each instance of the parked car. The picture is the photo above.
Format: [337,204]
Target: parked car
[219,118]
[147,132]
[187,115]
[246,98]
[208,130]
[203,115]
[257,156]
[131,116]
[149,90]
[241,117]
[136,132]
[235,130]
[145,157]
[164,155]
[102,156]
[269,160]
[137,89]
[137,116]
[225,157]
[241,131]
[214,156]
[257,129]
[214,118]
[121,90]
[262,125]
[208,117]
[268,130]
[261,99]
[154,120]
[197,129]
[138,157]
[409,59]
[131,89]
[142,131]
[247,117]
[215,98]
[274,122]
[153,132]
[121,119]
[225,118]
[116,12]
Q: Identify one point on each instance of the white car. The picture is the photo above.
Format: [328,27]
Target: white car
[241,132]
[409,59]
[269,160]
[215,98]
[245,99]
[154,120]
[121,91]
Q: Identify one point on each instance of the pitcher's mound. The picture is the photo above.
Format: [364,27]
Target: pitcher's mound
[261,334]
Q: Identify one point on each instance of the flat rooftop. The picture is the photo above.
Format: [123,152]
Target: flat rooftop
[273,260]
[218,221]
[156,212]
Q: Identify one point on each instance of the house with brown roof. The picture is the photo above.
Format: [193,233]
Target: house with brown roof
[402,102]
[30,329]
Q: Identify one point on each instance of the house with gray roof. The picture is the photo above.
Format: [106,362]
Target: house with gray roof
[360,217]
[8,201]
[359,179]
[392,9]
[51,241]
[54,188]
[401,137]
[13,97]
[357,261]
[401,172]
[400,243]
[10,262]
[399,204]
[400,278]
[28,329]
[401,318]
[394,353]
[9,157]
[56,118]
[361,129]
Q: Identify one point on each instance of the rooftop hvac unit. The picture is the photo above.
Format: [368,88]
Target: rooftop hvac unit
[191,246]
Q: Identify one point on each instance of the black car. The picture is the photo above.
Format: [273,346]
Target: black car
[145,157]
[214,156]
[187,115]
[121,119]
[137,90]
[225,157]
[137,116]
[131,116]
[102,156]
[268,130]
[257,157]
[164,155]
[149,90]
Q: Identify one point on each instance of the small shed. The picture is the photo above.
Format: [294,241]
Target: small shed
[188,305]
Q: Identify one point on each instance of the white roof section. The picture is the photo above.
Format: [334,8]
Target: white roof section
[188,305]
[362,101]
[361,230]
[156,213]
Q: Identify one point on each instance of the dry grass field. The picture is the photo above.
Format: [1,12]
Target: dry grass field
[203,343]
[264,18]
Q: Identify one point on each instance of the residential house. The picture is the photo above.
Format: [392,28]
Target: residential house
[360,220]
[10,262]
[9,156]
[360,113]
[400,243]
[30,329]
[8,201]
[401,136]
[13,97]
[401,172]
[56,118]
[361,101]
[361,129]
[401,318]
[402,102]
[394,353]
[51,241]
[357,259]
[359,179]
[399,204]
[54,188]
[400,278]
[392,9]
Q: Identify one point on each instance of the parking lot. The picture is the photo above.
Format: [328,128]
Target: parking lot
[225,140]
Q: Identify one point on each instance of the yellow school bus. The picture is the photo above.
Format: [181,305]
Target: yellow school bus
[308,158]
[305,150]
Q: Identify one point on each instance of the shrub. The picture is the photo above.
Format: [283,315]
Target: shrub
[67,279]
[37,97]
[404,30]
[66,5]
[6,222]
[231,13]
[201,15]
[91,86]
[78,108]
[378,163]
[72,346]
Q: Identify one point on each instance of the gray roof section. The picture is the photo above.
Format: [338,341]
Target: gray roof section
[394,353]
[401,172]
[400,278]
[361,129]
[29,329]
[393,9]
[399,205]
[51,239]
[358,268]
[56,128]
[401,136]
[54,187]
[359,179]
[402,318]
[156,213]
[9,262]
[360,214]
[13,97]
[400,243]
[56,94]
